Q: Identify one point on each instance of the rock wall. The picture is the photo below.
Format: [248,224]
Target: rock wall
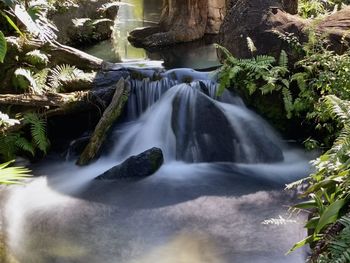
[85,22]
[256,19]
[182,21]
[216,15]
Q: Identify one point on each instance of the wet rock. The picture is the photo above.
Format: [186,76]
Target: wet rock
[136,167]
[182,21]
[205,134]
[85,22]
[255,19]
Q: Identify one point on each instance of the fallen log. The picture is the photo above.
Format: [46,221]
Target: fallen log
[265,21]
[58,104]
[110,115]
[47,100]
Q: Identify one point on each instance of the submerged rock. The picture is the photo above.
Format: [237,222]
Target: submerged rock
[136,167]
[204,133]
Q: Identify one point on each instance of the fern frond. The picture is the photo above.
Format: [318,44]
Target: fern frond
[339,249]
[288,101]
[283,60]
[264,60]
[301,79]
[8,146]
[223,50]
[339,108]
[38,131]
[25,145]
[61,74]
[41,78]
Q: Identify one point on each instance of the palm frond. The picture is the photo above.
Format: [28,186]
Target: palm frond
[12,175]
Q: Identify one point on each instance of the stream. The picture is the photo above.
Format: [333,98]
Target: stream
[212,200]
[218,198]
[200,54]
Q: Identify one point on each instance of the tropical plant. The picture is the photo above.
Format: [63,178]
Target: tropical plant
[316,8]
[12,175]
[329,188]
[337,247]
[14,143]
[61,75]
[260,73]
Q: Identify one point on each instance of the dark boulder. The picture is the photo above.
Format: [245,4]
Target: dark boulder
[205,134]
[255,19]
[136,167]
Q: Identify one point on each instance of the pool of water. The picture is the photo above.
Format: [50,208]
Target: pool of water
[133,14]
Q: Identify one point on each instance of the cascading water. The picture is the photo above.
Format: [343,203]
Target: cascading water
[223,171]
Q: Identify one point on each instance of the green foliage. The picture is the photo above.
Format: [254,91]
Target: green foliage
[38,131]
[316,8]
[24,80]
[312,8]
[12,175]
[260,73]
[62,74]
[37,58]
[329,187]
[13,143]
[3,47]
[338,249]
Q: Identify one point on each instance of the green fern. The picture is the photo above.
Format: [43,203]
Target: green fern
[338,250]
[37,58]
[8,147]
[288,102]
[38,131]
[25,145]
[283,60]
[62,74]
[41,79]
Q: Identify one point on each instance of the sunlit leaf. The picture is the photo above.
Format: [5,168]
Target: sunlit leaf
[330,214]
[3,47]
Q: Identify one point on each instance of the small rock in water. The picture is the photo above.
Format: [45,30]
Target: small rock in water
[136,167]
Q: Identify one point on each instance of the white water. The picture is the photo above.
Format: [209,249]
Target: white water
[187,212]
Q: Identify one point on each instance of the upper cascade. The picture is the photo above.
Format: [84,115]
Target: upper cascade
[190,123]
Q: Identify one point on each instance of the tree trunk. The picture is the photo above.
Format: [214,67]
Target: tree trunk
[110,115]
[182,21]
[264,23]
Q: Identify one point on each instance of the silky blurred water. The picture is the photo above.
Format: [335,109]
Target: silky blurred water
[189,211]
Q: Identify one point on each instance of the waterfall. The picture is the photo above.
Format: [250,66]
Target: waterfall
[223,174]
[190,123]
